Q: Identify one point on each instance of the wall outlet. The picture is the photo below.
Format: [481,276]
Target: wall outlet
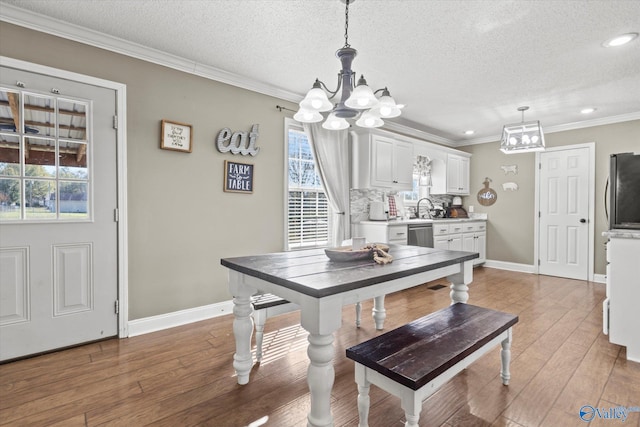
[471,208]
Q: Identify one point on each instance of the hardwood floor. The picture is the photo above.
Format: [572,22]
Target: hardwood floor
[184,377]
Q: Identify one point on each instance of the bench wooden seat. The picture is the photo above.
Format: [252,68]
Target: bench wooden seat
[414,360]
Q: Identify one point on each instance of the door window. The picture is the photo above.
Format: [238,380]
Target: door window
[44,157]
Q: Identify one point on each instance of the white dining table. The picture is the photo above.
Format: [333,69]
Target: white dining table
[321,287]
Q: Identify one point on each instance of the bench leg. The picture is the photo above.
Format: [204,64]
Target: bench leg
[363,395]
[259,318]
[358,314]
[379,313]
[505,355]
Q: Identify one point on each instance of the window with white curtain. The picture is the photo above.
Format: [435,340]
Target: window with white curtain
[308,220]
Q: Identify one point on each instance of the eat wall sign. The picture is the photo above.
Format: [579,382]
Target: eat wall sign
[238,142]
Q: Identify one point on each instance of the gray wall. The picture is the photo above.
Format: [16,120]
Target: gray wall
[180,221]
[510,233]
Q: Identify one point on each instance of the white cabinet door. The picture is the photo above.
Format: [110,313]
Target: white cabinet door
[455,242]
[469,242]
[441,242]
[481,247]
[457,174]
[382,167]
[403,165]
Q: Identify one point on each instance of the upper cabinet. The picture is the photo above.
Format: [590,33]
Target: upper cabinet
[452,177]
[457,174]
[385,160]
[381,162]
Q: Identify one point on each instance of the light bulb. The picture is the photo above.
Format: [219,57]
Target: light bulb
[385,111]
[316,103]
[535,138]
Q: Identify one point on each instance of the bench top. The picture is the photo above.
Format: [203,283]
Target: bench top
[418,352]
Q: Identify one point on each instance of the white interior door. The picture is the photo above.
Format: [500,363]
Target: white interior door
[564,213]
[58,193]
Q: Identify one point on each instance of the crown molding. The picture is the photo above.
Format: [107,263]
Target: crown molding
[48,25]
[417,133]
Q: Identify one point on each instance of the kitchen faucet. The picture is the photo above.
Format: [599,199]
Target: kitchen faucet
[428,211]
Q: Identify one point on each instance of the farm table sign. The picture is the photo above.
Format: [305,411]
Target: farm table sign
[238,177]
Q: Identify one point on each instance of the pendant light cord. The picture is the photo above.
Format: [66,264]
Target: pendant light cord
[346,25]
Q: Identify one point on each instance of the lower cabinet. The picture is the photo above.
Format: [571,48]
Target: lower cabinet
[382,232]
[462,236]
[447,236]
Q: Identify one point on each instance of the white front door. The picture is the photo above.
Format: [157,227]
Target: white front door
[564,213]
[58,193]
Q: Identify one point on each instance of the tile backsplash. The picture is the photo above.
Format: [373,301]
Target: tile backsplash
[360,200]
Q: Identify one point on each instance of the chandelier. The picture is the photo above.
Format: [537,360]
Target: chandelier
[356,100]
[522,137]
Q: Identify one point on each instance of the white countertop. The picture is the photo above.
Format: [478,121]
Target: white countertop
[622,234]
[422,221]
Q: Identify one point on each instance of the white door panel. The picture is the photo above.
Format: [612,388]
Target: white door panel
[58,276]
[564,211]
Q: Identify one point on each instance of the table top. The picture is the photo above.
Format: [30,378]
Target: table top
[312,273]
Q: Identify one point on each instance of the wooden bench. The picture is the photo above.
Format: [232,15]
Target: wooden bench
[269,305]
[413,361]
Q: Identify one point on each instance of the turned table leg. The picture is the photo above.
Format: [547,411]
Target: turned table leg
[379,313]
[459,289]
[320,377]
[505,355]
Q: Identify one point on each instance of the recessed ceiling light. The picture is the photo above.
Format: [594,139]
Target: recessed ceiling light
[587,110]
[469,132]
[620,40]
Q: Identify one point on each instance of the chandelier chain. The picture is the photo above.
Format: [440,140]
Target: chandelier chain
[346,25]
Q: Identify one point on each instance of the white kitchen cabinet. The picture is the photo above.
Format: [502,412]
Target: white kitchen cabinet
[474,239]
[447,236]
[381,161]
[457,174]
[621,316]
[470,236]
[382,232]
[451,177]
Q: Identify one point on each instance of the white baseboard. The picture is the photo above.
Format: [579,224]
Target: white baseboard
[599,278]
[511,266]
[179,318]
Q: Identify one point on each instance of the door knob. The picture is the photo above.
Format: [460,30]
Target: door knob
[582,220]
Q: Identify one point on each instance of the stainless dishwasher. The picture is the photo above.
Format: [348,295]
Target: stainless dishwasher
[420,235]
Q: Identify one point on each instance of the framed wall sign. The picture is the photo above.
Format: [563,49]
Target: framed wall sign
[238,177]
[176,136]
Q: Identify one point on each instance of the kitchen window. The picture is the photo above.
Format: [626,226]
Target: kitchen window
[308,220]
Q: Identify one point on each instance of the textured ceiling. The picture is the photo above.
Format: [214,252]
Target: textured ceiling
[457,65]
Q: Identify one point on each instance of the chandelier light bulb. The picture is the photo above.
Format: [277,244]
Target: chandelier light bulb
[307,116]
[369,120]
[334,122]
